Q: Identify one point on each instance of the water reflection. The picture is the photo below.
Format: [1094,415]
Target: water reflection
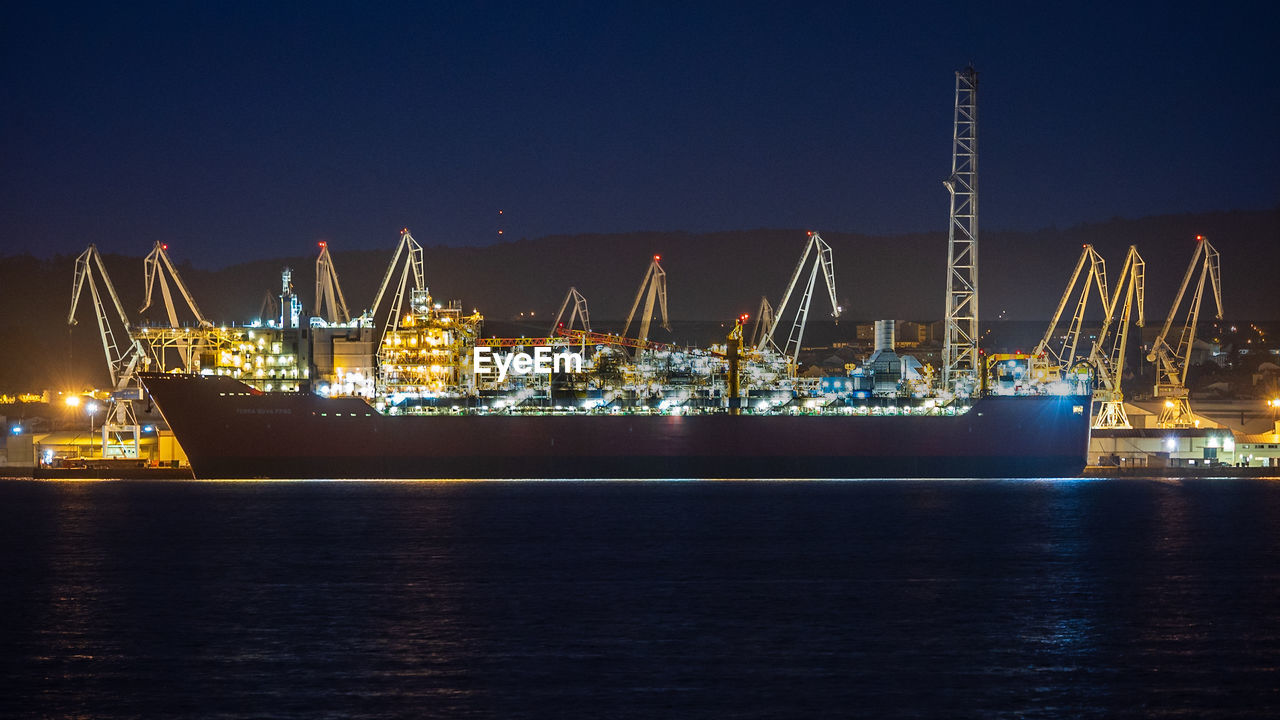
[758,599]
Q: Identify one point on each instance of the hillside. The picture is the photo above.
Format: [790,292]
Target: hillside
[712,276]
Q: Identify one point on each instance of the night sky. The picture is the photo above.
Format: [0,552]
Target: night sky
[252,130]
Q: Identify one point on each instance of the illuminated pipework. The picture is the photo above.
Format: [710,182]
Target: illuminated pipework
[427,354]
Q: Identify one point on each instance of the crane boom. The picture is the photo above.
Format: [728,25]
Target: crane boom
[154,267]
[330,304]
[655,279]
[412,252]
[821,251]
[577,312]
[1172,363]
[1051,359]
[118,362]
[764,321]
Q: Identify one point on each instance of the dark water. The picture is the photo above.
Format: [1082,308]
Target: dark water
[870,599]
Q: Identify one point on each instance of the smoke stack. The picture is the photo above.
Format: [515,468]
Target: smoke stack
[884,335]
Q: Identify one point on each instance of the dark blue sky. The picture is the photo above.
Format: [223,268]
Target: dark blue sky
[251,130]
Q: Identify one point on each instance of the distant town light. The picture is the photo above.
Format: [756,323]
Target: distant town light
[73,401]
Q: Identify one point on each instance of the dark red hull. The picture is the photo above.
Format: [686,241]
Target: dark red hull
[230,431]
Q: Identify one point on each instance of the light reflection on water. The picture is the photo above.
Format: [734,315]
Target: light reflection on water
[635,599]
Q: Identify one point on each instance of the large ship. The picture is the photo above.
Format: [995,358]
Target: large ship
[232,430]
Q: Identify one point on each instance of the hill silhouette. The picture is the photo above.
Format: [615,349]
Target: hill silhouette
[711,277]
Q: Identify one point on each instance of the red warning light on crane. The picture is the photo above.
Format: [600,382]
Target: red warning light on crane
[164,246]
[1199,238]
[657,258]
[323,244]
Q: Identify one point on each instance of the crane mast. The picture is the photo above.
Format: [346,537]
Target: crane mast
[330,304]
[655,280]
[1108,361]
[1172,363]
[960,367]
[1052,360]
[820,251]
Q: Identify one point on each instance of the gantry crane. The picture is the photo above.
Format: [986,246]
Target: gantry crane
[122,359]
[1108,352]
[655,280]
[578,312]
[155,268]
[330,304]
[412,253]
[820,251]
[1051,359]
[1171,363]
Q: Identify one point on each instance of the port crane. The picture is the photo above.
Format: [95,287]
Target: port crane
[578,312]
[412,253]
[330,304]
[655,280]
[1172,362]
[270,308]
[123,359]
[764,319]
[1108,352]
[820,252]
[157,268]
[1055,355]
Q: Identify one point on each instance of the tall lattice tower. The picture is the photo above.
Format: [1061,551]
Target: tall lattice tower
[960,364]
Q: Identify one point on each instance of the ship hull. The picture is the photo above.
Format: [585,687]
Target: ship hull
[231,431]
